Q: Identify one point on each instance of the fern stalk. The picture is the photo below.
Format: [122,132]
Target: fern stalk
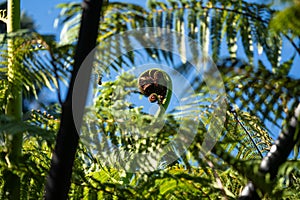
[59,178]
[14,102]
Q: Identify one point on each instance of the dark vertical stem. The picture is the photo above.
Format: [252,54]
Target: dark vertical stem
[58,181]
[14,105]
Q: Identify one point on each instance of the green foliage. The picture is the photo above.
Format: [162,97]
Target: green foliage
[37,65]
[273,95]
[263,95]
[287,20]
[236,34]
[39,135]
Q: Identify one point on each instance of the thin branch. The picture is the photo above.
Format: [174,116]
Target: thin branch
[292,42]
[54,63]
[218,179]
[250,137]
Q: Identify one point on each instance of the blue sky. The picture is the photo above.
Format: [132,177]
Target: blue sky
[44,13]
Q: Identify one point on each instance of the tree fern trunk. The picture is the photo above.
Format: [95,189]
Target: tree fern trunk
[58,181]
[14,104]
